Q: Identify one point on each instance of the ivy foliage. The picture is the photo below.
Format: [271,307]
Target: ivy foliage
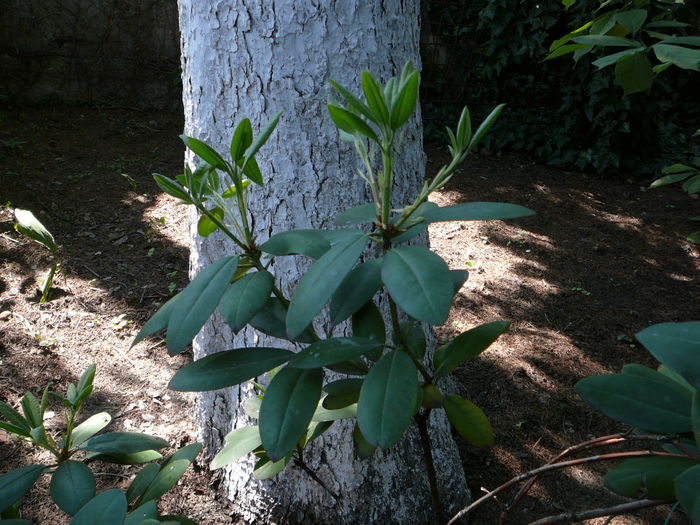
[559,113]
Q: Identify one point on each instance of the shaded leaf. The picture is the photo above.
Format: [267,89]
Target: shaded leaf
[477,211]
[368,322]
[237,444]
[332,351]
[405,103]
[126,458]
[679,56]
[362,214]
[651,477]
[124,442]
[469,420]
[142,480]
[245,298]
[467,346]
[14,484]
[687,490]
[107,508]
[271,320]
[72,486]
[171,471]
[350,123]
[158,322]
[311,243]
[356,290]
[634,74]
[147,511]
[676,345]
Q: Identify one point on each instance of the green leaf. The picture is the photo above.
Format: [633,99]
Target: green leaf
[368,322]
[128,458]
[30,226]
[266,469]
[171,471]
[671,179]
[459,277]
[632,19]
[147,511]
[362,214]
[107,508]
[12,429]
[419,282]
[142,480]
[356,290]
[241,140]
[634,74]
[695,417]
[350,123]
[205,152]
[232,191]
[252,171]
[72,486]
[651,477]
[322,279]
[687,40]
[205,226]
[197,302]
[405,103]
[14,417]
[485,126]
[245,298]
[464,129]
[351,367]
[469,420]
[676,345]
[364,448]
[565,50]
[332,351]
[120,442]
[14,484]
[323,414]
[287,408]
[311,243]
[158,322]
[375,98]
[638,401]
[414,338]
[89,428]
[687,491]
[258,143]
[694,237]
[237,444]
[271,320]
[616,57]
[467,346]
[387,399]
[32,410]
[227,368]
[605,40]
[477,211]
[692,185]
[680,56]
[354,103]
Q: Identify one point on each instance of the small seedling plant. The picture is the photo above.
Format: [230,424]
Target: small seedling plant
[27,224]
[73,485]
[382,376]
[663,408]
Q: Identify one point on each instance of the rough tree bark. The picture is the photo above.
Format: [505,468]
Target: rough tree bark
[250,58]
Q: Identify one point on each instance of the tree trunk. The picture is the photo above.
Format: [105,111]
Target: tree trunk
[250,58]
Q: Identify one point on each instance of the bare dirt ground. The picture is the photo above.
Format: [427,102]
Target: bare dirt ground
[603,259]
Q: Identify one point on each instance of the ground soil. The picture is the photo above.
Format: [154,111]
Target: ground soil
[602,259]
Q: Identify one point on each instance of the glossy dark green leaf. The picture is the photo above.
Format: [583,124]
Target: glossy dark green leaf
[12,429]
[147,511]
[362,214]
[687,491]
[634,73]
[387,399]
[321,281]
[14,484]
[287,408]
[459,277]
[676,345]
[335,402]
[416,224]
[332,351]
[14,417]
[467,346]
[142,480]
[414,338]
[695,417]
[32,410]
[354,103]
[123,442]
[311,243]
[356,290]
[419,282]
[237,444]
[639,402]
[245,298]
[352,367]
[158,322]
[252,171]
[171,187]
[197,302]
[605,40]
[171,471]
[375,98]
[72,486]
[125,458]
[107,508]
[682,57]
[469,420]
[260,140]
[350,123]
[227,368]
[316,429]
[649,477]
[205,226]
[343,386]
[477,211]
[368,322]
[405,103]
[271,320]
[241,140]
[205,152]
[364,448]
[89,428]
[648,373]
[27,224]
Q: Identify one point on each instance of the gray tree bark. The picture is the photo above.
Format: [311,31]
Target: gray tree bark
[250,58]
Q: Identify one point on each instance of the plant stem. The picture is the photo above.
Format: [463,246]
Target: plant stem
[422,422]
[615,510]
[299,461]
[556,466]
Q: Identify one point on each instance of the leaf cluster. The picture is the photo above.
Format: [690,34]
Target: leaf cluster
[72,485]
